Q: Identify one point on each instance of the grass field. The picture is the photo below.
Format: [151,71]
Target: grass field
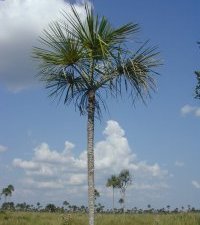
[25,218]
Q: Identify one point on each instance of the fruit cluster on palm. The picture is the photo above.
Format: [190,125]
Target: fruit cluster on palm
[82,61]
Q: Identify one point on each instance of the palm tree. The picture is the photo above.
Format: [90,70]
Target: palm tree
[125,179]
[82,59]
[7,191]
[50,207]
[38,206]
[121,202]
[66,204]
[96,194]
[168,207]
[113,182]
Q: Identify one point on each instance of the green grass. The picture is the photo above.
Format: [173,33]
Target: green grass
[20,218]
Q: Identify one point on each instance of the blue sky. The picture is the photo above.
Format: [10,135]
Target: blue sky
[159,142]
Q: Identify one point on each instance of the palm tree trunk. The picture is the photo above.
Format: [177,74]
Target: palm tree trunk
[90,155]
[113,199]
[124,195]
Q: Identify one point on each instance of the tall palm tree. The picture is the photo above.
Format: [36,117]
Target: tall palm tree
[113,182]
[125,179]
[82,59]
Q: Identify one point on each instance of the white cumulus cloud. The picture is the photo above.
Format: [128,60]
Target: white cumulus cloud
[179,163]
[27,165]
[188,109]
[55,169]
[3,148]
[196,184]
[21,23]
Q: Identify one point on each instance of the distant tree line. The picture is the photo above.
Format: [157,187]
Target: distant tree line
[120,182]
[68,208]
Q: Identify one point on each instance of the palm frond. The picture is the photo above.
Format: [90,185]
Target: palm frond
[197,89]
[61,48]
[132,73]
[137,72]
[78,55]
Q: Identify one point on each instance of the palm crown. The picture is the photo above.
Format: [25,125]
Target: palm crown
[113,182]
[90,55]
[7,191]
